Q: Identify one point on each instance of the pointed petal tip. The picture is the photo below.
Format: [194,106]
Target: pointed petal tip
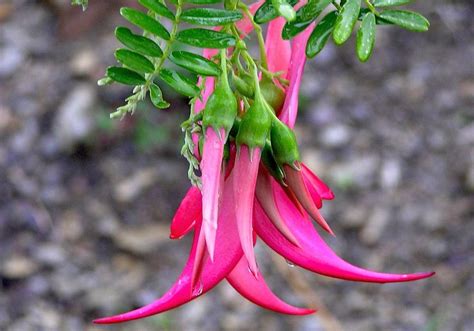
[211,256]
[175,237]
[109,320]
[322,222]
[402,278]
[305,311]
[211,247]
[416,276]
[331,232]
[326,227]
[253,268]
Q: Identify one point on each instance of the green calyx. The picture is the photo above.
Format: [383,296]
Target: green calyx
[221,108]
[273,94]
[284,144]
[255,124]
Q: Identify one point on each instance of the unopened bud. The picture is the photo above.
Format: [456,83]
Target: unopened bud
[244,85]
[255,124]
[273,94]
[284,144]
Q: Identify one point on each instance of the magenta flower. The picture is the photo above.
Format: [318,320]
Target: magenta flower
[241,201]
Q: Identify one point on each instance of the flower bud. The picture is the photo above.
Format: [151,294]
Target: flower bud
[243,85]
[273,94]
[284,145]
[221,108]
[255,124]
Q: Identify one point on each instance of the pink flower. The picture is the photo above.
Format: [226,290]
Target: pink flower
[241,201]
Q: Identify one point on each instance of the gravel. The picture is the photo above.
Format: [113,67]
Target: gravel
[85,202]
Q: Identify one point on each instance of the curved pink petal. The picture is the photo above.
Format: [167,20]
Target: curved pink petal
[258,292]
[315,254]
[296,183]
[323,190]
[245,178]
[189,211]
[318,201]
[265,198]
[278,50]
[298,61]
[228,252]
[212,180]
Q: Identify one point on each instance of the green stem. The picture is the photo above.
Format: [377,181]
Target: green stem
[258,93]
[371,7]
[258,32]
[337,5]
[224,76]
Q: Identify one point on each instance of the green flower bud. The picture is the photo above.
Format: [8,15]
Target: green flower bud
[284,145]
[273,94]
[255,124]
[221,107]
[242,85]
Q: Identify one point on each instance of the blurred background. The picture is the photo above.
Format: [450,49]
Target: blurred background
[85,202]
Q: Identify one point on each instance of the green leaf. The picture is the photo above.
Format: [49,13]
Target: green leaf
[210,16]
[125,76]
[134,61]
[390,3]
[181,84]
[320,35]
[145,22]
[406,19]
[156,97]
[345,21]
[138,43]
[203,2]
[158,8]
[304,17]
[205,38]
[267,12]
[366,37]
[195,63]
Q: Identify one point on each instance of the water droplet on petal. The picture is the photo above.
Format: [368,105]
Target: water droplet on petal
[198,289]
[290,264]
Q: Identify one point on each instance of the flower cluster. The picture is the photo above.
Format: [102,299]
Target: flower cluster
[253,186]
